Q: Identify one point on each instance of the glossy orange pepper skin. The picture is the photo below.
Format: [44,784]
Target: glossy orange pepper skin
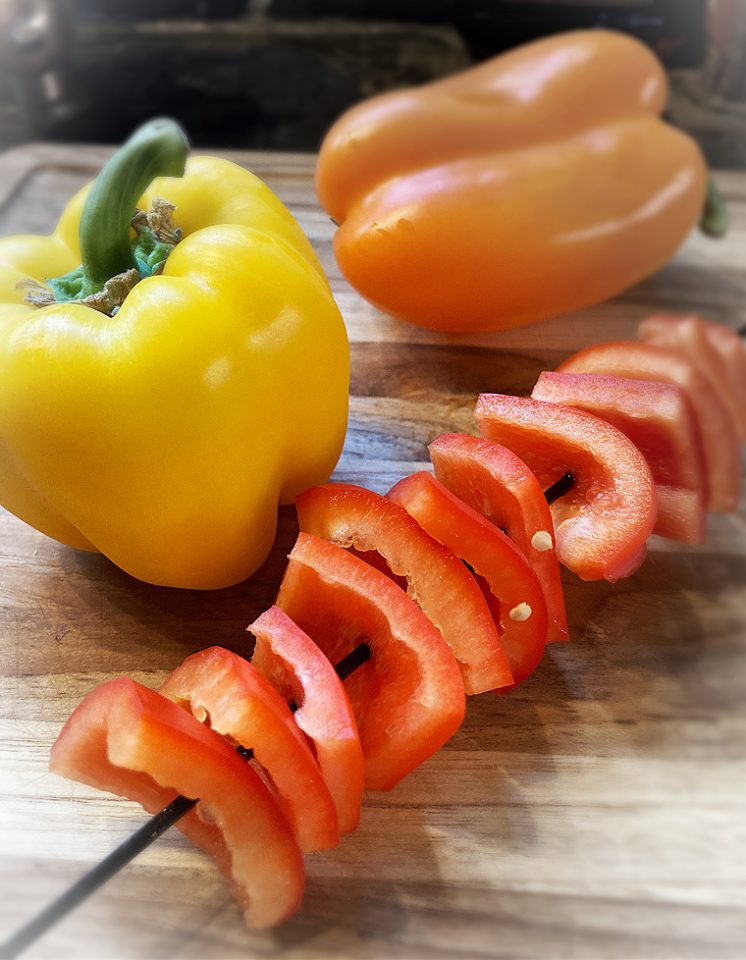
[536,183]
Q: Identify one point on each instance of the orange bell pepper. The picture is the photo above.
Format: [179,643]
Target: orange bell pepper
[538,182]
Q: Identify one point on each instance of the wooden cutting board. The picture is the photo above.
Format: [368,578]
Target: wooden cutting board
[596,812]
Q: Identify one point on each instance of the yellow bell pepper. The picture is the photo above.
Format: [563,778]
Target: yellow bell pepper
[165,435]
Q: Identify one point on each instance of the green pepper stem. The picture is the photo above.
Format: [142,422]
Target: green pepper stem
[715,219]
[156,149]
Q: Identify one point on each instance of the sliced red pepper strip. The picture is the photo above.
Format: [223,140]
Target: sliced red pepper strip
[659,420]
[133,742]
[489,552]
[437,581]
[303,676]
[690,337]
[498,484]
[732,352]
[409,697]
[229,693]
[602,524]
[682,514]
[646,361]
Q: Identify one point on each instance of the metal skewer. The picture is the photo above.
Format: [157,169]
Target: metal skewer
[95,878]
[559,488]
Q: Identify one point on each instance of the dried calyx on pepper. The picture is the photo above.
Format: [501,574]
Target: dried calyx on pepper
[113,261]
[155,238]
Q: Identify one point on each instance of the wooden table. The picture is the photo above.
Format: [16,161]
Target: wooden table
[596,812]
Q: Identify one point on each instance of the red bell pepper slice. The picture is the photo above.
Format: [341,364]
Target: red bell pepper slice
[408,699]
[602,524]
[690,337]
[522,613]
[435,578]
[498,484]
[303,676]
[732,351]
[133,742]
[658,419]
[645,361]
[227,691]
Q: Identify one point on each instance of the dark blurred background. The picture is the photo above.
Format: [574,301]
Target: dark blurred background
[273,74]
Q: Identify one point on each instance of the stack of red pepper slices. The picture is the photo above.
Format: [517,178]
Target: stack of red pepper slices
[650,434]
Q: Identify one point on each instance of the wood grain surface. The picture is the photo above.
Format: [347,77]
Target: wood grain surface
[596,812]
